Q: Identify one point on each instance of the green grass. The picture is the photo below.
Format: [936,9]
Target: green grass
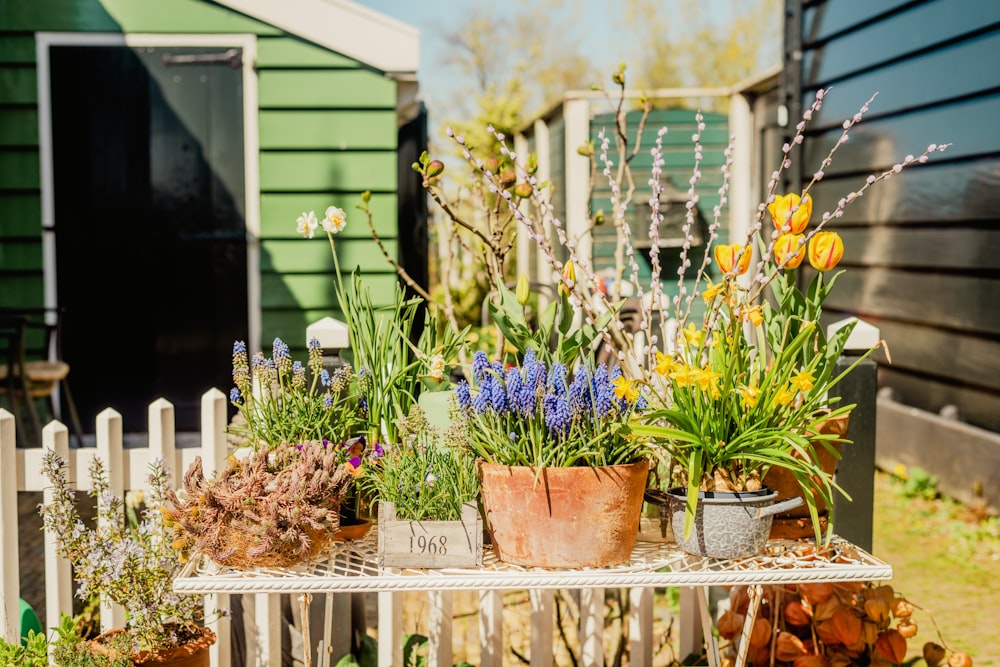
[945,558]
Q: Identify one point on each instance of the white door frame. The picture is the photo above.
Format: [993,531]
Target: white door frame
[251,147]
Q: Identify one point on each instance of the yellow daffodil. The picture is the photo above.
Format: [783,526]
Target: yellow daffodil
[826,249]
[626,389]
[750,396]
[682,375]
[783,216]
[790,250]
[664,364]
[692,335]
[754,315]
[711,291]
[707,380]
[784,396]
[803,380]
[733,258]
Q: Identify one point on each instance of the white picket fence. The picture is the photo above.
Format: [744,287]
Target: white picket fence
[128,469]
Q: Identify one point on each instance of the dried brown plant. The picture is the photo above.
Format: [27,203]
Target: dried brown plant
[272,509]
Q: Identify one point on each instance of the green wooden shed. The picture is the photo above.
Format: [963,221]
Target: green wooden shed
[154,157]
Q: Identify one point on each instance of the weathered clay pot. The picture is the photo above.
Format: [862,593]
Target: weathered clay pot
[796,523]
[192,654]
[726,525]
[563,517]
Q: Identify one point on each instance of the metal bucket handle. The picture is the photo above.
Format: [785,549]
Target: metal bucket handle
[784,505]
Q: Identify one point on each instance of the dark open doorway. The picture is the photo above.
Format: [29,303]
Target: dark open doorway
[150,233]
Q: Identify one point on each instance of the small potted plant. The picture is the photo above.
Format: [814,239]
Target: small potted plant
[277,501]
[562,476]
[426,492]
[133,567]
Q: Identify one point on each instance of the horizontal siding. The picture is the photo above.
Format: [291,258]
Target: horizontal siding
[18,127]
[327,171]
[975,406]
[291,52]
[279,211]
[877,145]
[971,357]
[341,130]
[898,36]
[829,18]
[970,250]
[21,255]
[316,292]
[17,85]
[903,85]
[19,169]
[967,191]
[313,255]
[956,302]
[334,89]
[19,214]
[923,247]
[21,291]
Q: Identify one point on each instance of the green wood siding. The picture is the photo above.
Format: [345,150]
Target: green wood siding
[327,88]
[280,210]
[678,154]
[327,133]
[327,170]
[339,130]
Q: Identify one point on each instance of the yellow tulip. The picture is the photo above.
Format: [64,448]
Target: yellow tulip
[569,276]
[826,249]
[785,220]
[789,250]
[523,290]
[726,256]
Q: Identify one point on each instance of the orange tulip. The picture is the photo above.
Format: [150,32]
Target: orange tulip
[789,250]
[726,256]
[785,220]
[826,249]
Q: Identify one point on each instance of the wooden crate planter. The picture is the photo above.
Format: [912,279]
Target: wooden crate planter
[430,544]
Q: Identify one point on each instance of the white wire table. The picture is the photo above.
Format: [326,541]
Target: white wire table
[353,568]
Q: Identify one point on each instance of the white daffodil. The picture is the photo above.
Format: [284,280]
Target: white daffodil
[307,224]
[335,220]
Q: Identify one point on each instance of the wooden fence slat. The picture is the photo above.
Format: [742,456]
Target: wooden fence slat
[640,624]
[390,629]
[10,592]
[109,449]
[542,603]
[592,627]
[439,623]
[58,571]
[491,628]
[213,454]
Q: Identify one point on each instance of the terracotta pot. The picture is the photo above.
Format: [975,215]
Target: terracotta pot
[355,530]
[563,517]
[795,524]
[192,654]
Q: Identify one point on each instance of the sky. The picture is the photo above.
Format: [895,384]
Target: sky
[433,18]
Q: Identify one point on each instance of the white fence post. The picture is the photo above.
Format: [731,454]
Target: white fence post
[592,627]
[110,450]
[213,455]
[10,592]
[58,571]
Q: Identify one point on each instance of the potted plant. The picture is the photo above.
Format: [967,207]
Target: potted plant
[738,374]
[562,476]
[297,422]
[426,492]
[750,385]
[133,567]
